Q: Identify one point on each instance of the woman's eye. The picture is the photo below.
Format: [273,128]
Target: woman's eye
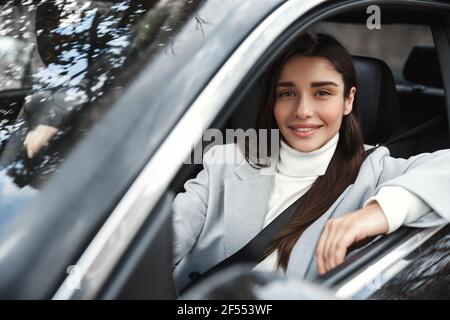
[322,93]
[286,94]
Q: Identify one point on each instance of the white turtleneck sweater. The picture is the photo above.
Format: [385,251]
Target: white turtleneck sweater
[297,171]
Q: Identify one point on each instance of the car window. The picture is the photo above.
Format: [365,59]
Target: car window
[63,64]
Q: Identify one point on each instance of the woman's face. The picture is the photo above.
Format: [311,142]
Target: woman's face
[310,103]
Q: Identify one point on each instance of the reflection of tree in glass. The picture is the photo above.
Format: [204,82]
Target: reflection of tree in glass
[200,23]
[158,26]
[85,54]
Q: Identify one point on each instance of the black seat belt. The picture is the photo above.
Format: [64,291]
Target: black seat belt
[417,131]
[255,248]
[410,134]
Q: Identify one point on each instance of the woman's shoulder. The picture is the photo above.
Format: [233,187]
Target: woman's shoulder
[376,152]
[224,154]
[380,160]
[374,159]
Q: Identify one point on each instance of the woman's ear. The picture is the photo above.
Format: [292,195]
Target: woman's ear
[349,101]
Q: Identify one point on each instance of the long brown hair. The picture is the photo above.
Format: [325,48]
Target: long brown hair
[348,157]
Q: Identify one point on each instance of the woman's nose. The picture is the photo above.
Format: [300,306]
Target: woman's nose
[303,110]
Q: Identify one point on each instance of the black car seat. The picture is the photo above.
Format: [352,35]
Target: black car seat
[377,99]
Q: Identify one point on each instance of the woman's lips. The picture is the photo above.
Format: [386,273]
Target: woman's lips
[304,132]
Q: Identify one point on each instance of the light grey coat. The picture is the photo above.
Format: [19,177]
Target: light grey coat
[224,207]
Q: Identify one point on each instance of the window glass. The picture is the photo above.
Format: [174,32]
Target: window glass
[63,64]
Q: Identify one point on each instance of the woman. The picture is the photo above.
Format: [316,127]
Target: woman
[346,197]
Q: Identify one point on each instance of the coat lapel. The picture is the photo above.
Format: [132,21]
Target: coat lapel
[245,203]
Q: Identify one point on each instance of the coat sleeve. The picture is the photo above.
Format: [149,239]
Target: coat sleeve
[427,176]
[189,209]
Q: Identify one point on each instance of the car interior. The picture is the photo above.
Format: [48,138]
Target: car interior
[403,107]
[406,107]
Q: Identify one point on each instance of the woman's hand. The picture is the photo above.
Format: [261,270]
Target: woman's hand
[37,138]
[340,233]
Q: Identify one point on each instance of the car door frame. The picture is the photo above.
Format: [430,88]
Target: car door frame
[245,64]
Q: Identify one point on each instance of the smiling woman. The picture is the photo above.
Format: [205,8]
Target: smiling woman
[333,193]
[314,104]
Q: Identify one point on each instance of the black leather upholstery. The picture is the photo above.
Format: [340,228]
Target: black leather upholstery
[422,67]
[377,99]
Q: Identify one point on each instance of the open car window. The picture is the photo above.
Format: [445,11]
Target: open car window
[385,244]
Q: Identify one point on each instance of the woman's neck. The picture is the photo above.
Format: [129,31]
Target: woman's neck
[295,163]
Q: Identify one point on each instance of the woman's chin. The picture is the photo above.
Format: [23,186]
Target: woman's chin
[306,145]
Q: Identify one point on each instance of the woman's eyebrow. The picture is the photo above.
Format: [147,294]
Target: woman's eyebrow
[323,83]
[285,84]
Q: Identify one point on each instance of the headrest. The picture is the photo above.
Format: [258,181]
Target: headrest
[377,99]
[422,67]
